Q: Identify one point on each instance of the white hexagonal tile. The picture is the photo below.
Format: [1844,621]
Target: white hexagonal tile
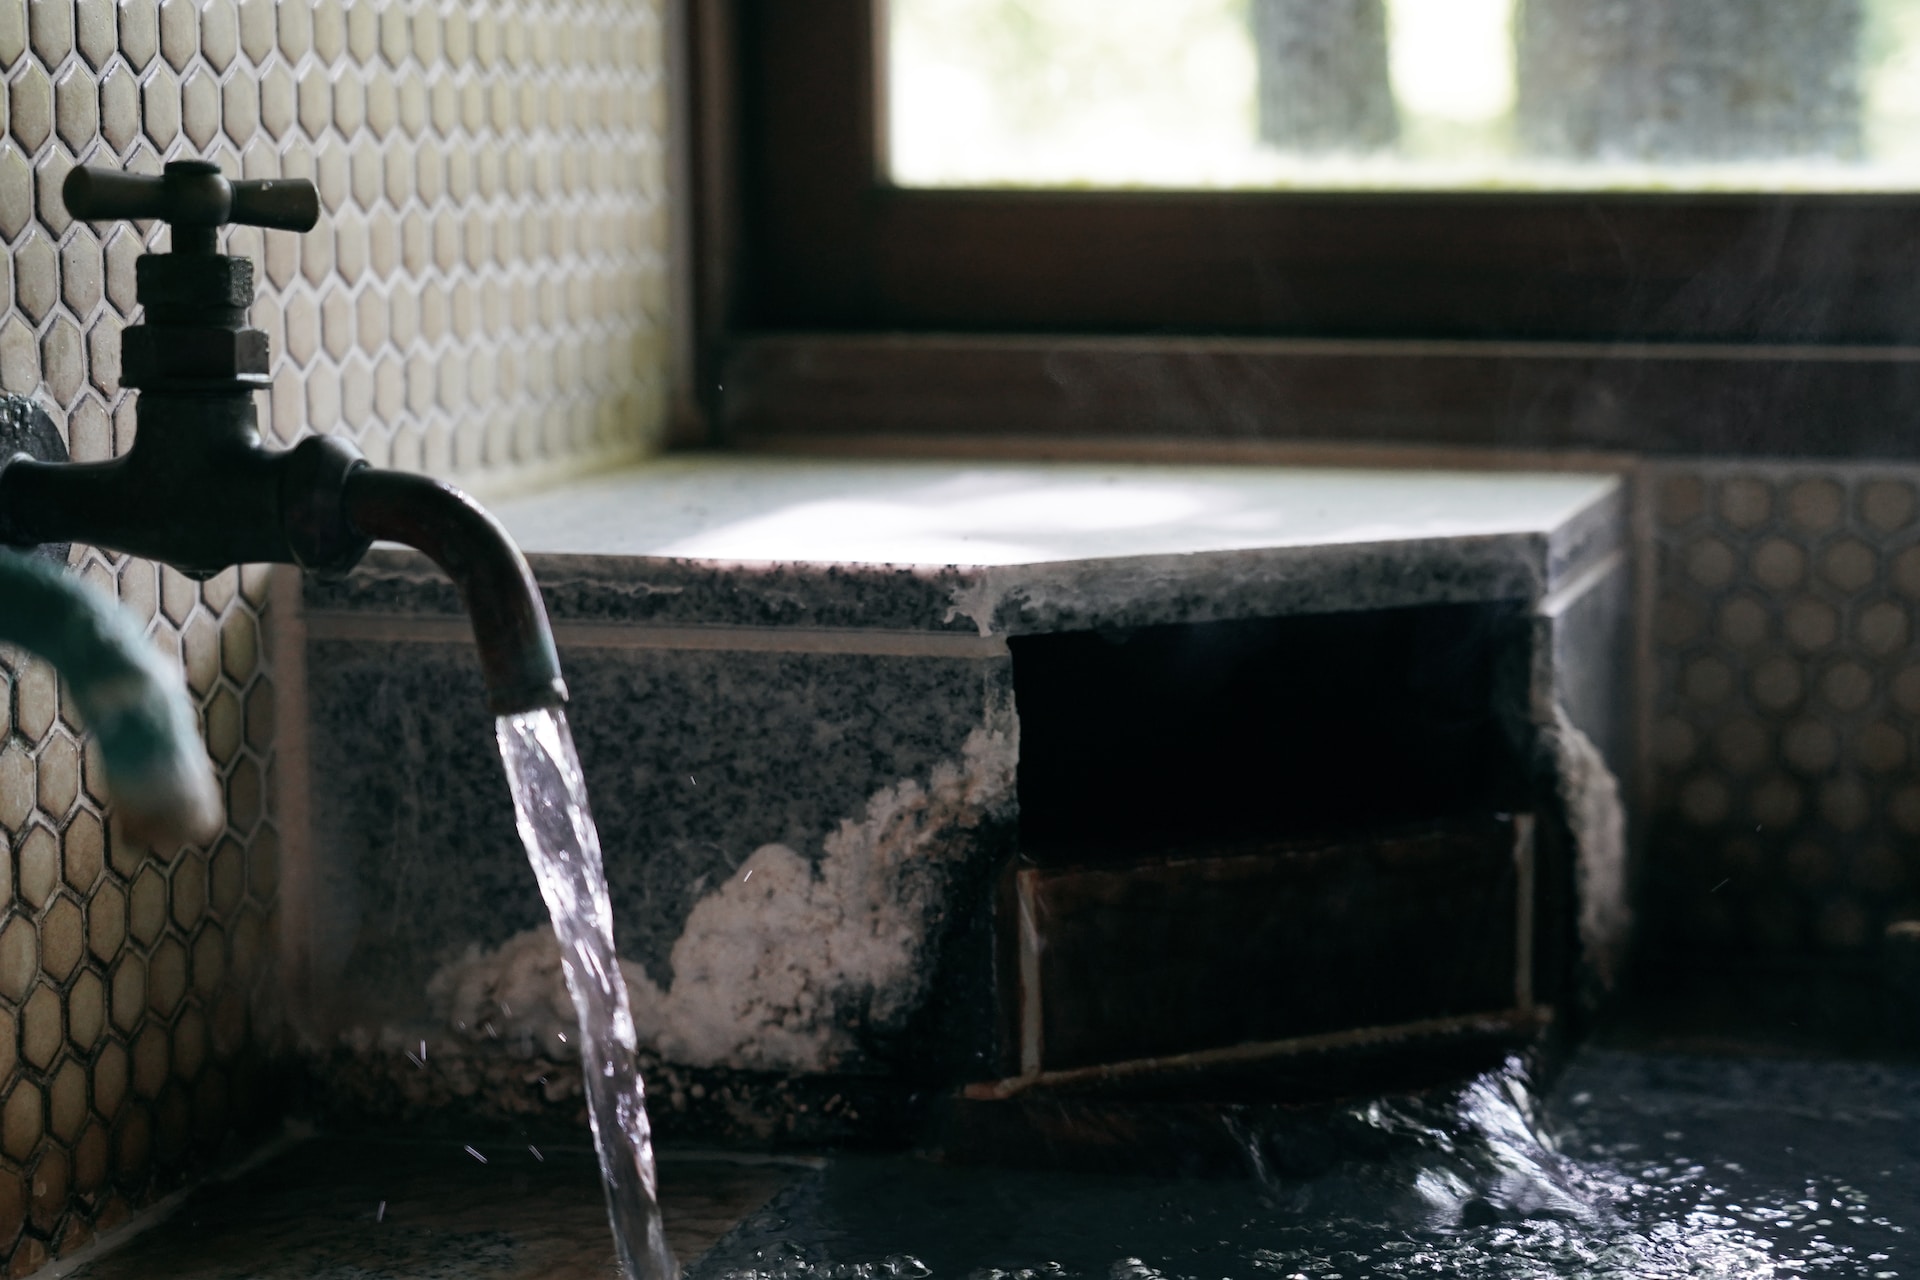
[123,248]
[103,357]
[363,32]
[119,107]
[36,275]
[457,37]
[49,172]
[349,105]
[50,30]
[443,102]
[350,244]
[30,107]
[259,160]
[394,33]
[19,357]
[303,327]
[160,107]
[277,100]
[257,29]
[367,177]
[63,360]
[139,32]
[76,108]
[200,107]
[329,29]
[281,257]
[296,30]
[413,104]
[429,171]
[316,100]
[370,322]
[336,322]
[240,108]
[219,33]
[331,175]
[356,392]
[81,272]
[426,35]
[179,32]
[16,192]
[473,104]
[316,257]
[382,102]
[322,383]
[95,31]
[13,32]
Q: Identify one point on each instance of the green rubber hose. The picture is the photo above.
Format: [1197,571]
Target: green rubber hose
[134,703]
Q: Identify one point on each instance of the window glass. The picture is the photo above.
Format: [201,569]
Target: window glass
[1739,95]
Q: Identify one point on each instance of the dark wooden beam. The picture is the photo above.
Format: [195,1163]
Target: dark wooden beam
[1829,401]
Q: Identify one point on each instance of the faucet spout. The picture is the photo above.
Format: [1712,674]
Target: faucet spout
[517,655]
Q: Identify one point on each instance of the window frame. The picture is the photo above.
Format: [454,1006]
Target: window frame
[828,303]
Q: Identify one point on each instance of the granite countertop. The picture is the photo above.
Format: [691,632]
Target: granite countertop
[1006,548]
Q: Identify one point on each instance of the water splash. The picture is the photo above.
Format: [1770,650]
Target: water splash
[1484,1188]
[1634,1167]
[550,808]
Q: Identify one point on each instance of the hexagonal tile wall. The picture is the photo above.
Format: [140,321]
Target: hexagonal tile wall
[493,176]
[1786,707]
[113,957]
[485,298]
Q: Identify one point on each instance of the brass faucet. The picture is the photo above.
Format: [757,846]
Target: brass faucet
[200,490]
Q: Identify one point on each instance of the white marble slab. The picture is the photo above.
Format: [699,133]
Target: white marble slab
[986,514]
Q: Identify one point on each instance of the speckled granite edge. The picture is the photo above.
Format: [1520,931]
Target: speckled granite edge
[1594,533]
[649,590]
[1011,599]
[1151,590]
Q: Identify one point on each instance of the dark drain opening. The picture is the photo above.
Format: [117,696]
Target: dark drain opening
[1184,737]
[1261,837]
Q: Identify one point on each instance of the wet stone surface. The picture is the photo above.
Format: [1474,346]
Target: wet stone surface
[467,1088]
[1634,1165]
[374,1209]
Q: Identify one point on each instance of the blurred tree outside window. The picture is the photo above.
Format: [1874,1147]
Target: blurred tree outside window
[1735,95]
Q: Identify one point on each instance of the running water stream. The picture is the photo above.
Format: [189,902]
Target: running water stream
[550,807]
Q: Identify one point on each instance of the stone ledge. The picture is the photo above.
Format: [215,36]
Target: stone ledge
[1021,548]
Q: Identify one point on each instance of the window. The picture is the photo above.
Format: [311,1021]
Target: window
[1740,95]
[845,290]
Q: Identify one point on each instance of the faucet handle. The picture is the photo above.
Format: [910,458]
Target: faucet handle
[194,197]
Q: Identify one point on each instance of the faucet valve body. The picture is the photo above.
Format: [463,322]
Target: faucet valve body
[198,489]
[195,299]
[196,324]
